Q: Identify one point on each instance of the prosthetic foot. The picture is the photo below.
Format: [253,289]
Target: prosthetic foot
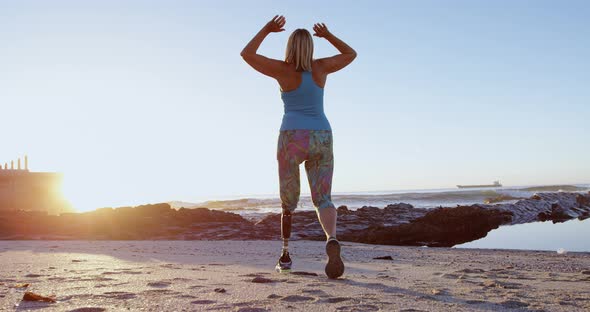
[284,263]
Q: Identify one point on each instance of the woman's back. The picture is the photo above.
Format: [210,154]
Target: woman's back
[304,106]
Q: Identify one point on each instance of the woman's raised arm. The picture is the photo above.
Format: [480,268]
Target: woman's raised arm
[336,62]
[265,65]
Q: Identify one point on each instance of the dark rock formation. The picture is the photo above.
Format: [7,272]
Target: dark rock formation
[397,224]
[441,227]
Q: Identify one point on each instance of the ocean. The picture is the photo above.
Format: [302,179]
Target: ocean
[260,205]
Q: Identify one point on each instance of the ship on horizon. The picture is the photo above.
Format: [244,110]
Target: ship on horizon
[496,184]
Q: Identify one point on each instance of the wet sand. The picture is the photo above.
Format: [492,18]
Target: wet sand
[239,276]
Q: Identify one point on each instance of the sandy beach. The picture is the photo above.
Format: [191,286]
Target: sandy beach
[239,276]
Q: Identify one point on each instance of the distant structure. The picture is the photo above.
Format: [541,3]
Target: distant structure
[21,189]
[496,184]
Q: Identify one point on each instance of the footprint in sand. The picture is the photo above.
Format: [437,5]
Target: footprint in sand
[362,307]
[514,304]
[261,280]
[301,273]
[317,292]
[254,274]
[337,299]
[203,302]
[159,284]
[88,310]
[297,298]
[119,295]
[470,271]
[253,310]
[34,275]
[159,292]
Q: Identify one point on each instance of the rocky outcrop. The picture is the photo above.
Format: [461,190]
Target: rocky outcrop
[397,224]
[441,227]
[556,207]
[306,226]
[157,221]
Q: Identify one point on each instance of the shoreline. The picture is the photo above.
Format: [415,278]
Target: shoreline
[219,275]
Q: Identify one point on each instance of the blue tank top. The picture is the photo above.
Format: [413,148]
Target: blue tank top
[304,106]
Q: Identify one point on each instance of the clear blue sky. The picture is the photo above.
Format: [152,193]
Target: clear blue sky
[144,101]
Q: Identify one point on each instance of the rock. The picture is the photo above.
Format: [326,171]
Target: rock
[343,210]
[30,296]
[441,227]
[556,214]
[398,207]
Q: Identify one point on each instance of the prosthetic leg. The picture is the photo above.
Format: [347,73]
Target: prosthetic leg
[284,264]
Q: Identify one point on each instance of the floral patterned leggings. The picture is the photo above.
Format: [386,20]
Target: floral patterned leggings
[315,148]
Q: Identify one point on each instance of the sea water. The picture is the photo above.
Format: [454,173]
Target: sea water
[353,200]
[567,236]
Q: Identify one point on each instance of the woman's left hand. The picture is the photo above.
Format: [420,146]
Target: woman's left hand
[276,24]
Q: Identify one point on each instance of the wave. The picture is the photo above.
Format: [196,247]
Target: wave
[556,188]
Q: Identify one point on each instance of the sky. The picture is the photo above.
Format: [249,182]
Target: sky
[150,101]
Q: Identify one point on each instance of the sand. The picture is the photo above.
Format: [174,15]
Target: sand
[218,276]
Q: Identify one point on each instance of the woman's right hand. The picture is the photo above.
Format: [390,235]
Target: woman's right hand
[321,30]
[276,24]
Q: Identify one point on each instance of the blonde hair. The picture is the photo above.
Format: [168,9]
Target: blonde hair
[300,50]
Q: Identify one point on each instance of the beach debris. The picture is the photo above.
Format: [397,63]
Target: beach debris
[561,251]
[31,296]
[383,258]
[219,290]
[262,280]
[435,291]
[489,283]
[24,285]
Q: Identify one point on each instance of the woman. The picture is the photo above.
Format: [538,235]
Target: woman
[305,134]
